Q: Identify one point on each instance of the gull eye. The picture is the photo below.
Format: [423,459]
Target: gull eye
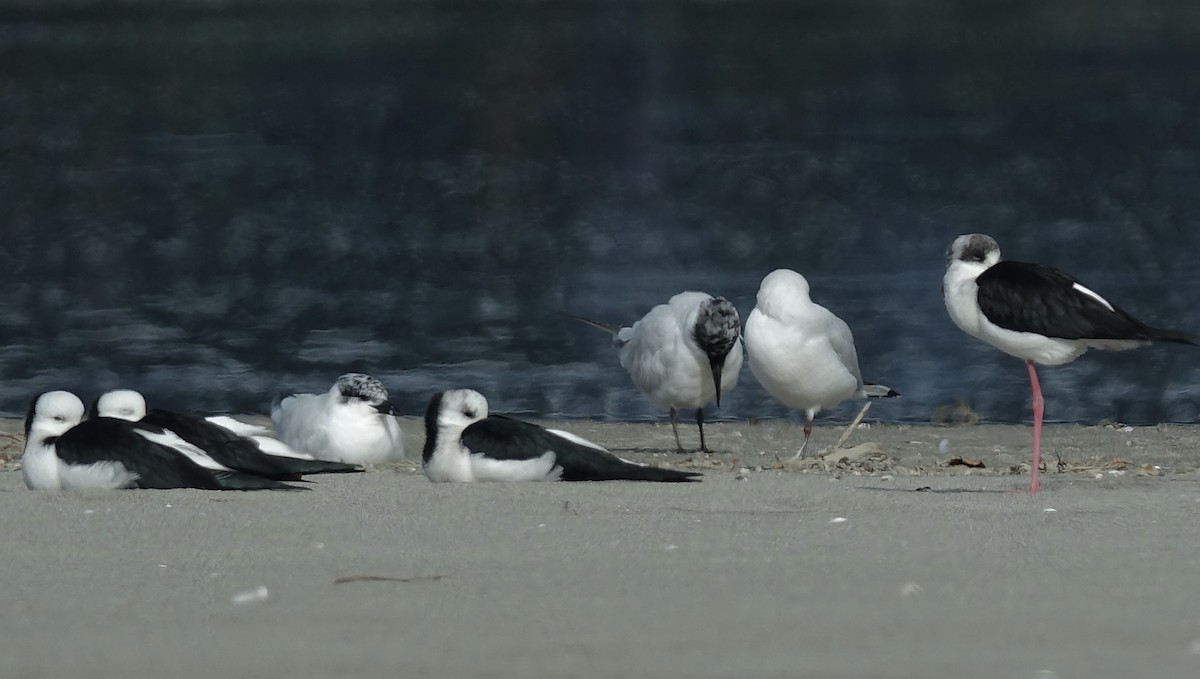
[469,413]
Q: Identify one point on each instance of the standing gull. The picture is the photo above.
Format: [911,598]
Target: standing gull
[1036,313]
[353,422]
[801,352]
[61,452]
[464,443]
[682,354]
[258,455]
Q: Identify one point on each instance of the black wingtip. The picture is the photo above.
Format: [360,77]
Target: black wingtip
[1163,335]
[872,390]
[660,475]
[240,481]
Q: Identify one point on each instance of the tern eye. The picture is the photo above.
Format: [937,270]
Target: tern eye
[469,413]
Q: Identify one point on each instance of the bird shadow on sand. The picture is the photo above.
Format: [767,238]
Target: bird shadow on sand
[936,491]
[650,451]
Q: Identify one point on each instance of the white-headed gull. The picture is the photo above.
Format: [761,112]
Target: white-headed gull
[1036,313]
[801,352]
[61,452]
[464,443]
[353,422]
[250,455]
[682,354]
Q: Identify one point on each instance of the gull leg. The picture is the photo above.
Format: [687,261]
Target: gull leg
[1038,410]
[850,430]
[675,428]
[700,423]
[807,432]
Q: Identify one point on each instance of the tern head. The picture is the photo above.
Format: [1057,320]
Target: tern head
[122,404]
[359,390]
[716,332]
[452,411]
[974,250]
[51,414]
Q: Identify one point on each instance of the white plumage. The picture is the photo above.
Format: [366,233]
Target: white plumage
[800,351]
[353,423]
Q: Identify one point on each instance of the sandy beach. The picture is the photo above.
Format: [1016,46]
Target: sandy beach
[880,560]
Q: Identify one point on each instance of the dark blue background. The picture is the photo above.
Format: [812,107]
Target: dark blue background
[222,200]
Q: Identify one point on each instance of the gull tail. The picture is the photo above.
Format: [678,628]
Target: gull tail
[871,390]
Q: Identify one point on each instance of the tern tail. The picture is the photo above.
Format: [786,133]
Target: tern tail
[607,327]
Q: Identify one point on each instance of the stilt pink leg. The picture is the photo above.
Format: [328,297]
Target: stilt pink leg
[1038,410]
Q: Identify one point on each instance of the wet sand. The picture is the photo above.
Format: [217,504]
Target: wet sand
[882,561]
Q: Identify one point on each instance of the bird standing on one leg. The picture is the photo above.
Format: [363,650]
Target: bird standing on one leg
[1036,313]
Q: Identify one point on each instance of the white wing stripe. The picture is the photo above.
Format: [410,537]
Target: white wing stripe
[1093,295]
[172,440]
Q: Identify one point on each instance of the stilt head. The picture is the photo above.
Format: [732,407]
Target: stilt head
[448,414]
[122,404]
[973,248]
[52,413]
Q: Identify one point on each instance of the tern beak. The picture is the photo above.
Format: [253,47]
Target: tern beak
[717,366]
[386,408]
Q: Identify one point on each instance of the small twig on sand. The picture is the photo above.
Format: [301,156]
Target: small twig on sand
[382,578]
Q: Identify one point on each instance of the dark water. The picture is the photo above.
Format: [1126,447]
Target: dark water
[222,200]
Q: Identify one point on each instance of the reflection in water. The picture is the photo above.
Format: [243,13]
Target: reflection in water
[212,204]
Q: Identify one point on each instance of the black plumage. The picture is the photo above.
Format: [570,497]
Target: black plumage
[238,452]
[503,438]
[106,439]
[1034,298]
